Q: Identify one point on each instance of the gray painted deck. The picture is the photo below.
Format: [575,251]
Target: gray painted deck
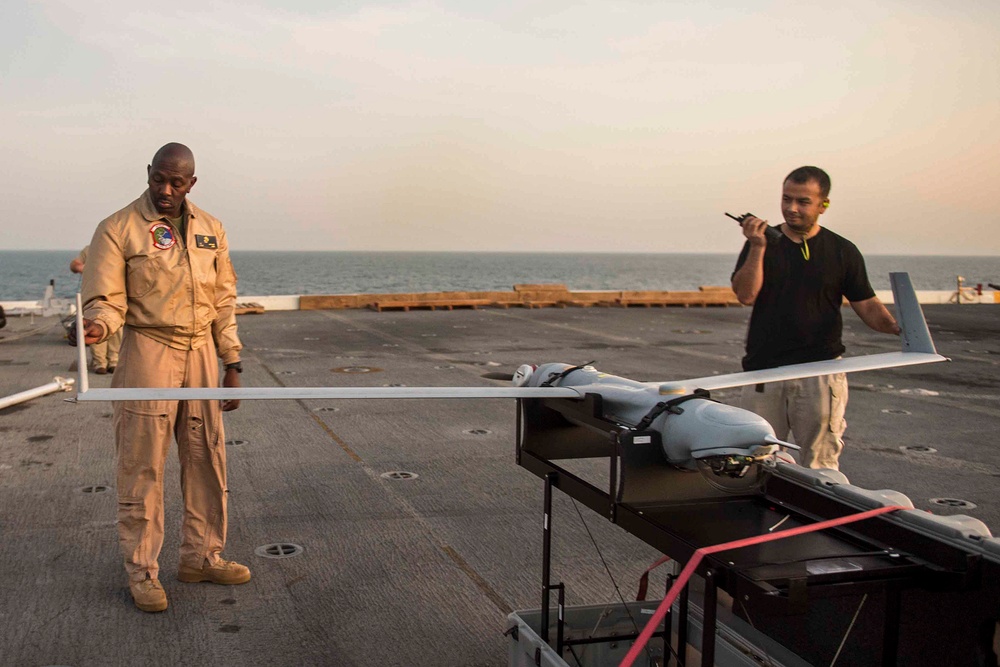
[422,571]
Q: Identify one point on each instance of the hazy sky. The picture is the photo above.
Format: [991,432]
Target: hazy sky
[498,126]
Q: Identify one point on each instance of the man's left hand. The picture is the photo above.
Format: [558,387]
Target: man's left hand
[231,379]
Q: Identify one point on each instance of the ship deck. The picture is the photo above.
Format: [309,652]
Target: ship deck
[397,569]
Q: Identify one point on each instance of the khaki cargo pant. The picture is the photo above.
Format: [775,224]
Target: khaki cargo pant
[105,354]
[143,431]
[812,409]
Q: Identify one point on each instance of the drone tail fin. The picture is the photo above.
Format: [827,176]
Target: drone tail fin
[915,335]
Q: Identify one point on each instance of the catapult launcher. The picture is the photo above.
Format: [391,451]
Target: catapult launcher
[686,474]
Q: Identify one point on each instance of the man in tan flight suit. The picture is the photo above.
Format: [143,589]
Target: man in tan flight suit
[104,355]
[161,267]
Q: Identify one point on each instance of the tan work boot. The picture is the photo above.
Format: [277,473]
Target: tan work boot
[149,595]
[223,572]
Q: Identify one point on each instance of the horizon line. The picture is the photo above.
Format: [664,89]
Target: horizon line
[529,252]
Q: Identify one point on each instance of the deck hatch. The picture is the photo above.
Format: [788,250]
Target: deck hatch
[355,369]
[954,502]
[399,475]
[279,550]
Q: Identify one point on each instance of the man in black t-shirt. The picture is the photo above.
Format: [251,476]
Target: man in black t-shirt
[796,284]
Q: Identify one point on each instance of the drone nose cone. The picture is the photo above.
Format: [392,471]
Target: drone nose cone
[522,375]
[707,428]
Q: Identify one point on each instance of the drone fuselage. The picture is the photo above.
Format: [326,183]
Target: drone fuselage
[690,427]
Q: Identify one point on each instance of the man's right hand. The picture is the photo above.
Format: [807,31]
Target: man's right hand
[753,230]
[93,331]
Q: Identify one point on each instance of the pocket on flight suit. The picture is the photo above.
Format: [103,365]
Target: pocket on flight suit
[141,276]
[838,403]
[202,442]
[202,453]
[143,436]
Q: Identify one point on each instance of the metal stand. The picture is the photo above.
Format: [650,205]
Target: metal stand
[682,627]
[547,560]
[667,624]
[708,620]
[787,593]
[547,587]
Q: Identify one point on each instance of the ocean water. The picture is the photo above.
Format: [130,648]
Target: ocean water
[24,274]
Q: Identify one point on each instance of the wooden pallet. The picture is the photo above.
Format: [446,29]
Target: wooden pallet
[554,295]
[542,296]
[702,298]
[249,308]
[429,304]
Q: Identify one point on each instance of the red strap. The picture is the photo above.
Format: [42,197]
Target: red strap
[644,579]
[692,565]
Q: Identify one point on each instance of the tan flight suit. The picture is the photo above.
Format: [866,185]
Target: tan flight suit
[105,353]
[177,300]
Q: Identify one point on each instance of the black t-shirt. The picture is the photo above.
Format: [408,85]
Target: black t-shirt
[796,317]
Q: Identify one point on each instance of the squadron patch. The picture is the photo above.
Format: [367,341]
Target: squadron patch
[163,236]
[202,241]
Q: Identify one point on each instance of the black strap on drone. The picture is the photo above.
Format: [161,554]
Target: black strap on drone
[670,406]
[555,377]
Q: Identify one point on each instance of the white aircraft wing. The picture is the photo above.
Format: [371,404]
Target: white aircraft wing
[918,348]
[795,371]
[85,393]
[292,393]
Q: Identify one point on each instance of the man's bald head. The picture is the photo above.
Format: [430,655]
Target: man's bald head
[170,177]
[175,154]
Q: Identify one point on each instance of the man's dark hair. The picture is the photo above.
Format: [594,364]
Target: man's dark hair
[806,174]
